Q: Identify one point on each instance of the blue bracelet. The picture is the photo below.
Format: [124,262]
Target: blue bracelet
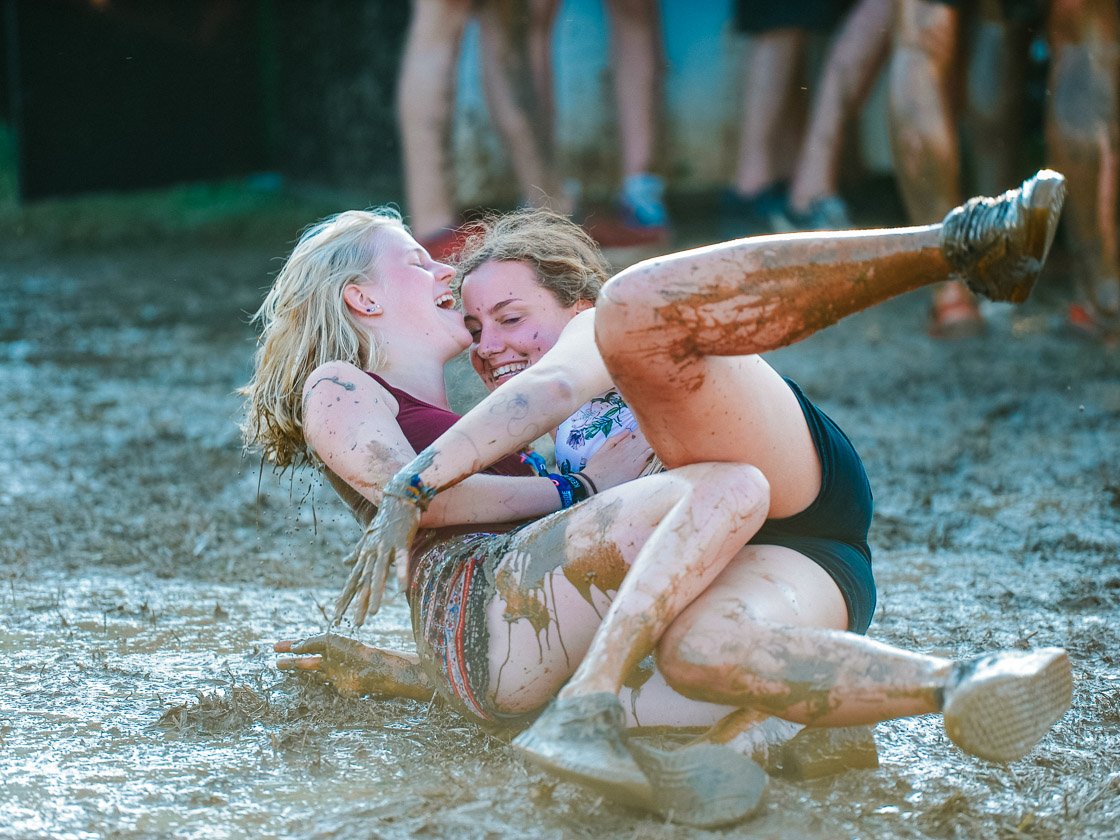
[569,487]
[534,460]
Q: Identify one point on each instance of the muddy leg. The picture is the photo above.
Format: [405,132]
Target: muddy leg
[511,77]
[924,137]
[1082,137]
[996,707]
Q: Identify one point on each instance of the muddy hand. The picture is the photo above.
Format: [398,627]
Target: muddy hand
[313,655]
[385,541]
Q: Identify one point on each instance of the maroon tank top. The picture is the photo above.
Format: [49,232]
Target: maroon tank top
[423,422]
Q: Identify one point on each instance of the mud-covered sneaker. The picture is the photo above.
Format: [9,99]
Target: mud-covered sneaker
[999,706]
[998,245]
[581,740]
[703,785]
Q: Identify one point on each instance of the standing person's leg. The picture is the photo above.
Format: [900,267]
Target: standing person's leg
[994,101]
[924,137]
[636,66]
[1082,136]
[425,103]
[510,76]
[771,67]
[854,59]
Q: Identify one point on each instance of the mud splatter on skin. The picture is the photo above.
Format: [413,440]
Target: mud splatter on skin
[601,568]
[522,603]
[754,300]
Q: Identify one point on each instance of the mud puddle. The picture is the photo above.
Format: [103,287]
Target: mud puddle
[146,568]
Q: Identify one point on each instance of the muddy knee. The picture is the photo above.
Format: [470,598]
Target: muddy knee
[708,668]
[718,484]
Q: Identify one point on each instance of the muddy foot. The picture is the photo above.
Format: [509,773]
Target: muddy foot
[999,706]
[999,245]
[580,739]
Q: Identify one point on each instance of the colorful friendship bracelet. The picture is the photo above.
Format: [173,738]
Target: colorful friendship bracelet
[416,491]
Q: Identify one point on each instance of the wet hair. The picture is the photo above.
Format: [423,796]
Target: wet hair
[305,322]
[565,259]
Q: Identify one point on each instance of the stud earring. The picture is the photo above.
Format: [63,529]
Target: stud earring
[373,310]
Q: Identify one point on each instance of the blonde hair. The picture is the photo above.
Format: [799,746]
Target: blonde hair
[305,322]
[566,260]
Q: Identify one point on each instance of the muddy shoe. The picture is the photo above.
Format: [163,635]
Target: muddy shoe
[702,785]
[999,244]
[816,752]
[579,739]
[999,706]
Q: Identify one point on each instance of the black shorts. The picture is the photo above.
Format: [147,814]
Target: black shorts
[756,16]
[832,531]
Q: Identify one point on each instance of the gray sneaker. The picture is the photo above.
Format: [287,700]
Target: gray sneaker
[999,706]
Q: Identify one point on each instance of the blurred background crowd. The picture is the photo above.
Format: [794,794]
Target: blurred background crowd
[655,123]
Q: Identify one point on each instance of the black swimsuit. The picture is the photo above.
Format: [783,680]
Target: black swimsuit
[832,531]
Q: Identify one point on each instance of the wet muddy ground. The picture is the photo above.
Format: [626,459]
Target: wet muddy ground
[146,567]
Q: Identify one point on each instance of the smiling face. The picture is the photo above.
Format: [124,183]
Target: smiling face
[410,295]
[513,320]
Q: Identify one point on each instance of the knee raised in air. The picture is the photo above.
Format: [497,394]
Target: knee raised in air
[628,309]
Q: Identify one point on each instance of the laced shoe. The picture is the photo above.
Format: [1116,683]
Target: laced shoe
[999,706]
[998,245]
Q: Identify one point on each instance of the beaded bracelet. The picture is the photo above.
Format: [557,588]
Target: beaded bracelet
[416,491]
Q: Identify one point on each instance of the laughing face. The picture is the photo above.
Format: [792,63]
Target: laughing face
[412,294]
[513,320]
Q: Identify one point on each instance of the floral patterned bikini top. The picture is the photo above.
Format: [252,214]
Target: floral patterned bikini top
[580,436]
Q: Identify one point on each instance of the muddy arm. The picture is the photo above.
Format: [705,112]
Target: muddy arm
[531,404]
[352,427]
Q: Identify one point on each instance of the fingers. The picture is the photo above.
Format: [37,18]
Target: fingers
[380,576]
[283,646]
[352,584]
[299,663]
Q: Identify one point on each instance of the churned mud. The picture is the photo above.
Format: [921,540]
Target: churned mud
[146,568]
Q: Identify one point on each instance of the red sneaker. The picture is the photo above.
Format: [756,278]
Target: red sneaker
[954,313]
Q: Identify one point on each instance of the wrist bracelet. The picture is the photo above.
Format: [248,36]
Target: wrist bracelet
[535,461]
[586,479]
[569,487]
[416,491]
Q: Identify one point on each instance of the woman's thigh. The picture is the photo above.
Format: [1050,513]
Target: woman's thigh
[765,585]
[729,408]
[555,579]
